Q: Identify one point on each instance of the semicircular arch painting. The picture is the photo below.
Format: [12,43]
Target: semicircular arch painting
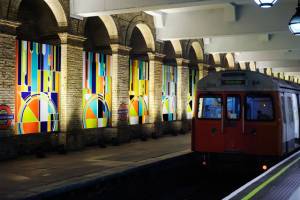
[38,69]
[97,90]
[138,91]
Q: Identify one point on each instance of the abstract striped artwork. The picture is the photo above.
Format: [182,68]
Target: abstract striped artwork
[138,91]
[97,91]
[38,69]
[193,78]
[169,88]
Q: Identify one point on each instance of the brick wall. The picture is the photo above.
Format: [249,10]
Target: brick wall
[120,82]
[155,88]
[71,87]
[7,70]
[182,89]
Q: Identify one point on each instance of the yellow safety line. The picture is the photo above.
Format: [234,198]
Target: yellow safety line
[272,178]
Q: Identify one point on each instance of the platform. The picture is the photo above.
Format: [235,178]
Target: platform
[32,177]
[282,181]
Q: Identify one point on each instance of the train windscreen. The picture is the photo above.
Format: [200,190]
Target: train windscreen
[259,108]
[210,108]
[233,107]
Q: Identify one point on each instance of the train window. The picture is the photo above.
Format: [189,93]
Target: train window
[259,108]
[233,107]
[290,109]
[210,108]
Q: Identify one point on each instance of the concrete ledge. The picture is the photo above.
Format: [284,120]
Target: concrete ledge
[77,185]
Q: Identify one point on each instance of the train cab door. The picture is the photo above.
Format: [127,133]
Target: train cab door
[232,125]
[209,137]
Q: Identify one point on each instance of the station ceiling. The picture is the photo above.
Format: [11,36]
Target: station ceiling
[227,26]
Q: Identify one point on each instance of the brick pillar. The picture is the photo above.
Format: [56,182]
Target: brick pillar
[182,88]
[120,82]
[155,87]
[8,65]
[71,84]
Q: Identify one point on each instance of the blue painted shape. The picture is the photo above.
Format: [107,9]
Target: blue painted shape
[44,126]
[25,95]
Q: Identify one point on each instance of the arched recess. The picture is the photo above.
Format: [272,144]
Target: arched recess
[111,27]
[54,5]
[100,33]
[141,43]
[58,12]
[41,20]
[148,36]
[230,60]
[38,66]
[139,27]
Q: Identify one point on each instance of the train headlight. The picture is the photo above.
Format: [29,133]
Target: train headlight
[264,167]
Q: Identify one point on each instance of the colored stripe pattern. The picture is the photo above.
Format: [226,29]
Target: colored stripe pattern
[97,91]
[193,78]
[38,69]
[138,92]
[169,88]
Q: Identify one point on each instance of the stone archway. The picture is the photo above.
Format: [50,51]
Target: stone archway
[230,60]
[177,47]
[111,27]
[198,50]
[147,34]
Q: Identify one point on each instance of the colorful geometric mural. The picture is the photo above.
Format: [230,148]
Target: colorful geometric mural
[97,91]
[138,92]
[193,78]
[38,69]
[169,80]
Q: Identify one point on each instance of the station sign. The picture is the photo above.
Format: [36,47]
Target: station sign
[123,112]
[6,117]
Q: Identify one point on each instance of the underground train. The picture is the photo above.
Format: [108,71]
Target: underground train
[247,113]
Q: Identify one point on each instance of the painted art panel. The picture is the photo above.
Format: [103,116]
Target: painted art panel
[97,90]
[38,69]
[169,92]
[193,79]
[138,91]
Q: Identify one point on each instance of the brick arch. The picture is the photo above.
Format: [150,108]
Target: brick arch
[198,50]
[144,28]
[177,47]
[252,66]
[196,45]
[230,60]
[55,6]
[216,58]
[110,25]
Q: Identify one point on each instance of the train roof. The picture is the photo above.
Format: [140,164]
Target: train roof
[237,80]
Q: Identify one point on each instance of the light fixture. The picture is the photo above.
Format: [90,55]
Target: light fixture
[294,24]
[265,3]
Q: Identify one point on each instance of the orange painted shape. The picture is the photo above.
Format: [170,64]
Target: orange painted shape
[31,127]
[90,114]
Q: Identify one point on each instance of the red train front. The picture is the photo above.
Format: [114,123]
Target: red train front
[245,112]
